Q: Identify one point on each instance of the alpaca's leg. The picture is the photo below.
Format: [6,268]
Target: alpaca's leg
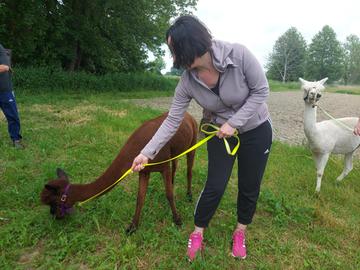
[169,189]
[143,185]
[320,160]
[190,163]
[348,165]
[174,164]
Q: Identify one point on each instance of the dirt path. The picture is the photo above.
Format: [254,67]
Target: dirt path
[286,109]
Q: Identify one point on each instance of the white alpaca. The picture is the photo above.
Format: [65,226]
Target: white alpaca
[328,136]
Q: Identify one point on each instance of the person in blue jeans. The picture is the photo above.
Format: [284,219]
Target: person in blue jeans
[7,99]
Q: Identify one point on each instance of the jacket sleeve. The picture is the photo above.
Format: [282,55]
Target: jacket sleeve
[168,128]
[258,90]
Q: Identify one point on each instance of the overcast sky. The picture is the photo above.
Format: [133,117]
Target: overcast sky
[257,24]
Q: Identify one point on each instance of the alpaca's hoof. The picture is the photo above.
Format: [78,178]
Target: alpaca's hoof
[189,196]
[131,229]
[340,178]
[177,221]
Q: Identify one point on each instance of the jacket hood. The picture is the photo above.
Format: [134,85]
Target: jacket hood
[221,51]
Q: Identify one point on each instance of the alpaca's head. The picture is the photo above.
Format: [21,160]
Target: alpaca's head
[312,90]
[55,194]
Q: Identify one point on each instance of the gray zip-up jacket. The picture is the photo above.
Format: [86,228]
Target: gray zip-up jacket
[243,91]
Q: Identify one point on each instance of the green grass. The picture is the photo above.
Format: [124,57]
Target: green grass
[292,229]
[344,89]
[277,86]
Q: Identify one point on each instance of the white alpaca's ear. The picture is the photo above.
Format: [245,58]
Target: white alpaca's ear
[323,81]
[302,81]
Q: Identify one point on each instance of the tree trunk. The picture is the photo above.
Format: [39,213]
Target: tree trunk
[76,61]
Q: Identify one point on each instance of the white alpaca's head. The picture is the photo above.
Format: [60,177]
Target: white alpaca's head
[312,90]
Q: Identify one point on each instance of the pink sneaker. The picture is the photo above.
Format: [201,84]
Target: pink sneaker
[239,248]
[195,244]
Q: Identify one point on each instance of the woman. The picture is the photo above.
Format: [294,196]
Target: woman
[229,83]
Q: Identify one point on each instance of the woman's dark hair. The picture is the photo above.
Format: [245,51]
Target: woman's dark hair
[190,38]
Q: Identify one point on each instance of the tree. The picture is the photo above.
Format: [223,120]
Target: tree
[352,60]
[287,60]
[325,56]
[25,29]
[156,66]
[175,72]
[91,35]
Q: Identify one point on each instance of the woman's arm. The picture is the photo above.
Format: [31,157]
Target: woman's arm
[167,129]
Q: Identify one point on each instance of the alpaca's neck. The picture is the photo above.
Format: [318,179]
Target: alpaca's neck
[81,192]
[309,119]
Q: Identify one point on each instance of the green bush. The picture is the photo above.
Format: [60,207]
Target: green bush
[39,79]
[45,79]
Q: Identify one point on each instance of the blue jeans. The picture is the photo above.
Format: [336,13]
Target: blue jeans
[9,108]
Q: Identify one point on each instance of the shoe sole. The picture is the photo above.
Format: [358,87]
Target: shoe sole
[238,257]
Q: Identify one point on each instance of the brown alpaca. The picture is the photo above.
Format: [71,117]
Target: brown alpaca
[60,195]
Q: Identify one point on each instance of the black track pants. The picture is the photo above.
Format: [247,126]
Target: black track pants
[252,157]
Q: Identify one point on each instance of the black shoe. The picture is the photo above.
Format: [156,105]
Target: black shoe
[18,144]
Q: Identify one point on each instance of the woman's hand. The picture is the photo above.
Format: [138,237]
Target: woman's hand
[357,128]
[225,131]
[139,163]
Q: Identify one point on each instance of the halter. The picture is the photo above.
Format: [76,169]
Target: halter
[317,99]
[64,209]
[307,95]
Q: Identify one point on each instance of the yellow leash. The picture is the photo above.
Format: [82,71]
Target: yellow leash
[336,120]
[210,133]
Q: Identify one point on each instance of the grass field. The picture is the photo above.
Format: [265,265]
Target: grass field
[292,229]
[277,86]
[345,89]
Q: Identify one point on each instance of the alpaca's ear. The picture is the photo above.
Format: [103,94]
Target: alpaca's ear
[302,81]
[323,81]
[61,174]
[52,189]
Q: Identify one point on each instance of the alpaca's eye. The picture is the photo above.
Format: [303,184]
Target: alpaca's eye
[318,95]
